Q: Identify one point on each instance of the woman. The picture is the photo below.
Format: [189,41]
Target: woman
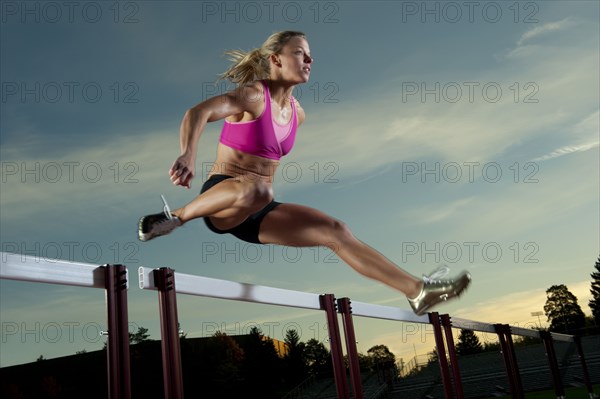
[260,122]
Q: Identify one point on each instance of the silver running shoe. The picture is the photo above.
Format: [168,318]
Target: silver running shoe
[158,224]
[436,290]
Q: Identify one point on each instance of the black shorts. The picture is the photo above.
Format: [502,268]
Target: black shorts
[248,230]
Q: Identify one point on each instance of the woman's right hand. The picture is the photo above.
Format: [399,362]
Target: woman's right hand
[183,170]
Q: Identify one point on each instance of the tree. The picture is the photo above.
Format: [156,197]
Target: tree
[491,347]
[261,367]
[224,356]
[213,365]
[292,339]
[294,362]
[381,354]
[595,290]
[317,357]
[140,335]
[563,311]
[591,327]
[525,340]
[384,362]
[365,362]
[468,343]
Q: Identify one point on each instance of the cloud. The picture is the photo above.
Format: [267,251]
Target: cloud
[366,178]
[436,213]
[514,209]
[569,149]
[589,125]
[385,128]
[524,46]
[587,129]
[545,29]
[121,170]
[360,137]
[60,303]
[462,132]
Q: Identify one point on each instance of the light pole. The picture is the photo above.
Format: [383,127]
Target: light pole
[538,314]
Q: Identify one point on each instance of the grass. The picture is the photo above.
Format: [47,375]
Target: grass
[570,393]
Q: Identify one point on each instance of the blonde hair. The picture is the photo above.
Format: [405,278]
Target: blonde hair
[254,64]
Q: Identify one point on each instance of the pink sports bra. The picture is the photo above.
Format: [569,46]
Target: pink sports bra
[262,136]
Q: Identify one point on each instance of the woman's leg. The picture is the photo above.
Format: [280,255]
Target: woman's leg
[300,226]
[228,203]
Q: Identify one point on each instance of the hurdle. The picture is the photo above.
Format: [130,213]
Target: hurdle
[112,278]
[504,332]
[349,309]
[168,283]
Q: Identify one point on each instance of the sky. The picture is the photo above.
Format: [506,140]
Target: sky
[453,133]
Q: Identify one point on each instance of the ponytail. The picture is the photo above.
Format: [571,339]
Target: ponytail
[246,67]
[254,65]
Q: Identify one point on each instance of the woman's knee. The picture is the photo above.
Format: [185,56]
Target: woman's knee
[338,234]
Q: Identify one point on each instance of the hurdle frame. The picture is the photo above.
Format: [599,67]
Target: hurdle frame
[168,283]
[446,323]
[113,279]
[504,332]
[165,280]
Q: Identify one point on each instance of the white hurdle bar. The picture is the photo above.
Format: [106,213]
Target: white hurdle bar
[225,289]
[168,283]
[387,313]
[112,278]
[487,327]
[51,271]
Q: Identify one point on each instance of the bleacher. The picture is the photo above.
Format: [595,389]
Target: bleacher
[484,375]
[325,388]
[426,382]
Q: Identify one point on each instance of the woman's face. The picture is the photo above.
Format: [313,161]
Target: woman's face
[293,63]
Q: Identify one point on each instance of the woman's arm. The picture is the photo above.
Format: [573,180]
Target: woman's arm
[195,119]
